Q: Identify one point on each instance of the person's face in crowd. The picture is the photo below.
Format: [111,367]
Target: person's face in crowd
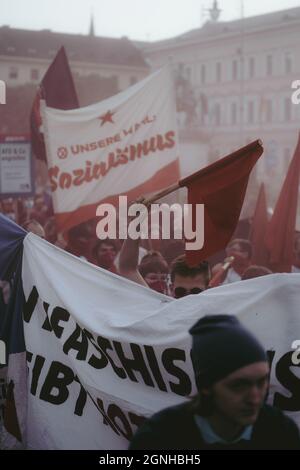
[238,398]
[185,285]
[37,229]
[106,254]
[157,281]
[241,259]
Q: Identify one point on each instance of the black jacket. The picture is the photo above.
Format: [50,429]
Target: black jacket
[175,428]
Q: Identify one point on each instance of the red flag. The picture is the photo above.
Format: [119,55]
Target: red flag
[281,228]
[221,187]
[258,230]
[58,89]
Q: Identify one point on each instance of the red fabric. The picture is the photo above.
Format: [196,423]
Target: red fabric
[221,187]
[164,177]
[258,230]
[58,89]
[281,229]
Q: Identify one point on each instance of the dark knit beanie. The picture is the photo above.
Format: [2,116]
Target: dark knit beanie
[221,345]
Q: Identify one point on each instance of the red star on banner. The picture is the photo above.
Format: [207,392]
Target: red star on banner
[107,117]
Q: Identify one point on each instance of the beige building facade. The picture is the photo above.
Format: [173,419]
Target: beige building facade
[234,86]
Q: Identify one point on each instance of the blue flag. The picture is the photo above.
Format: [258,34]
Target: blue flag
[12,358]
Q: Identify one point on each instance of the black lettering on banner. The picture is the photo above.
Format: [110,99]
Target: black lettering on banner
[36,372]
[104,345]
[136,420]
[59,377]
[136,363]
[290,381]
[80,338]
[184,387]
[78,342]
[29,356]
[30,304]
[94,361]
[46,325]
[150,353]
[270,356]
[81,400]
[106,419]
[116,414]
[116,418]
[58,314]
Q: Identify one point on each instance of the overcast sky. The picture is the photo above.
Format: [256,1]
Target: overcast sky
[137,19]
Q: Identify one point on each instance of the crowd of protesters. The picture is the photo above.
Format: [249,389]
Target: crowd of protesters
[159,264]
[229,410]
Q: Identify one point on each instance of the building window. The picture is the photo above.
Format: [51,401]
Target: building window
[287,109]
[217,114]
[133,80]
[218,72]
[34,74]
[250,112]
[269,110]
[233,113]
[288,63]
[251,67]
[234,69]
[269,65]
[203,74]
[13,73]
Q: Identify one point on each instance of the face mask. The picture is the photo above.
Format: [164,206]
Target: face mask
[158,286]
[182,291]
[106,259]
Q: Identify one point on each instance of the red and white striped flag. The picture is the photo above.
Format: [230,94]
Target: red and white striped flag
[126,144]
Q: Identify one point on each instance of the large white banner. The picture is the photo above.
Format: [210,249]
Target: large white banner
[126,144]
[104,353]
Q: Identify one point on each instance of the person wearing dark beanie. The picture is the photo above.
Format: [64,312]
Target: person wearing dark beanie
[221,345]
[229,412]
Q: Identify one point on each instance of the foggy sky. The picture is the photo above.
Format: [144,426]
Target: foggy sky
[136,19]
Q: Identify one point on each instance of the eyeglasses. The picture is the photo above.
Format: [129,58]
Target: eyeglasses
[182,291]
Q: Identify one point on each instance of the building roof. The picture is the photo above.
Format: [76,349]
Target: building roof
[45,44]
[221,28]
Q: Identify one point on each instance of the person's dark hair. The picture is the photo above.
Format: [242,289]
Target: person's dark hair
[156,265]
[151,255]
[180,267]
[255,271]
[107,241]
[244,244]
